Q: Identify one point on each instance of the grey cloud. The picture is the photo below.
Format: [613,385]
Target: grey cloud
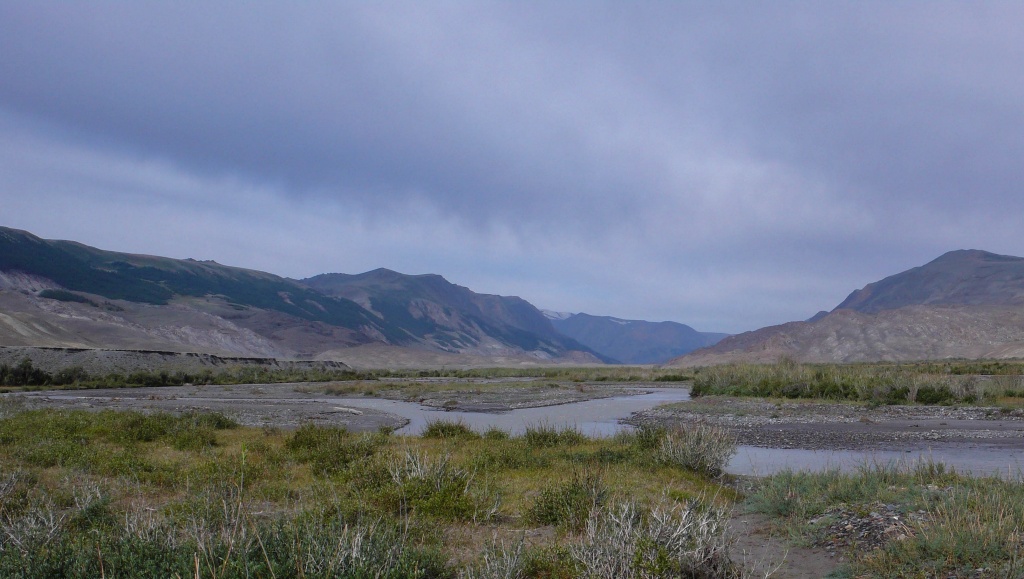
[727,147]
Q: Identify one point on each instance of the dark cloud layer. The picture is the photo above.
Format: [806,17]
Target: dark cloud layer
[727,164]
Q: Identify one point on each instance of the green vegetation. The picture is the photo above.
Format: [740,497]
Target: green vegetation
[65,296]
[700,447]
[119,494]
[350,382]
[449,429]
[961,523]
[25,374]
[871,383]
[154,280]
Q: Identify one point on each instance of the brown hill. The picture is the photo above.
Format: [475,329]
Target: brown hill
[965,304]
[965,277]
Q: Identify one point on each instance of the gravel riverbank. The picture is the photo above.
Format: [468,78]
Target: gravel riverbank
[816,425]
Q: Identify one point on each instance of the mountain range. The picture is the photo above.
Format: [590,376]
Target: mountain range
[632,341]
[964,304]
[63,294]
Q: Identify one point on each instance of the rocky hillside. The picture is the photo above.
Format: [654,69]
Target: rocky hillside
[633,341]
[963,278]
[449,317]
[965,304]
[64,294]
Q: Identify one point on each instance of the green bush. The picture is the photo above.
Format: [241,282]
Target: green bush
[700,447]
[449,429]
[434,487]
[547,436]
[330,450]
[495,433]
[648,437]
[934,395]
[569,504]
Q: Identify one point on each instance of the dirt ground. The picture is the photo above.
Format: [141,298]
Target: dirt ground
[266,405]
[763,552]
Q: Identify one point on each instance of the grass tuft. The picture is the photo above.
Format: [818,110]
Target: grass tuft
[701,448]
[450,429]
[544,435]
[666,541]
[568,504]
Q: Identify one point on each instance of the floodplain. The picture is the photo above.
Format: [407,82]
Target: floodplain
[135,481]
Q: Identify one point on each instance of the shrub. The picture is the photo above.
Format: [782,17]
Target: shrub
[667,541]
[495,433]
[934,395]
[701,447]
[329,449]
[434,487]
[545,435]
[449,429]
[569,504]
[499,561]
[649,437]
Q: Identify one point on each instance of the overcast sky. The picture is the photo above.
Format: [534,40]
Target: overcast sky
[728,165]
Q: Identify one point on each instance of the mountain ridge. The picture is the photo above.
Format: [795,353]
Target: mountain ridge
[56,293]
[634,341]
[963,304]
[450,315]
[960,277]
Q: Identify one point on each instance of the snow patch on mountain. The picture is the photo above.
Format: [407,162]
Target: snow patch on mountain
[551,315]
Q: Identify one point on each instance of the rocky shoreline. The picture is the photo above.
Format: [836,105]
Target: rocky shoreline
[815,425]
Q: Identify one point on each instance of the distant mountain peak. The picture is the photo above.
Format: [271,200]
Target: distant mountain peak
[972,255]
[634,341]
[961,277]
[440,313]
[966,303]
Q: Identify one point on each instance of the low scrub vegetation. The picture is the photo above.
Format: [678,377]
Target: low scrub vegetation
[449,429]
[667,540]
[875,384]
[25,374]
[953,525]
[125,494]
[699,447]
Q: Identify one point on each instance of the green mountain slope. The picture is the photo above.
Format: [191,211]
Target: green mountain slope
[157,280]
[450,316]
[66,294]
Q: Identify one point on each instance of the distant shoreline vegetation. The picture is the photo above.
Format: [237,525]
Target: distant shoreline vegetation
[922,382]
[25,375]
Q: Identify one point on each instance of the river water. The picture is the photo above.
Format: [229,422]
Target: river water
[596,418]
[592,417]
[602,418]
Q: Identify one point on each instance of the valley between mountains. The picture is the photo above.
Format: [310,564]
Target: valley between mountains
[62,294]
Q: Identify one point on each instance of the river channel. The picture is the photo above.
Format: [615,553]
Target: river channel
[596,417]
[603,418]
